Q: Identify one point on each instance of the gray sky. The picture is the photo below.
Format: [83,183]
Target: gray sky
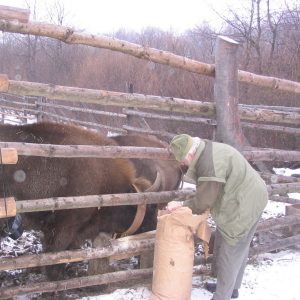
[104,16]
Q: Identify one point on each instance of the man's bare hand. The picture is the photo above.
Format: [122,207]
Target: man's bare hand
[173,205]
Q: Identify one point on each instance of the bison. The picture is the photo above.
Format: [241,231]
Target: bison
[42,177]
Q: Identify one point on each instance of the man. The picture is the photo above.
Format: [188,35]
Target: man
[236,196]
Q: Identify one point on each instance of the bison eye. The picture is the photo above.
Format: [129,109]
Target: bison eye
[19,176]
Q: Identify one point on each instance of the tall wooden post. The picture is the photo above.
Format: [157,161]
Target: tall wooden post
[229,128]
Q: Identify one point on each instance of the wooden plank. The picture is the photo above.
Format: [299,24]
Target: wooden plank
[7,207]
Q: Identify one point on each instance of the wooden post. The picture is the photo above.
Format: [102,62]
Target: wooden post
[141,121]
[229,128]
[39,109]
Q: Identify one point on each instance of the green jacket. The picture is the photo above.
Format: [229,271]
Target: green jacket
[229,186]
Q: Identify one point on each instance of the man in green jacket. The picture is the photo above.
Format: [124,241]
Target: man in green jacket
[236,196]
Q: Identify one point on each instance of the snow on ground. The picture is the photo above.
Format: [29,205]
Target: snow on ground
[271,276]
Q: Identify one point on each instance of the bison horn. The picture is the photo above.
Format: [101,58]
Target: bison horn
[156,185]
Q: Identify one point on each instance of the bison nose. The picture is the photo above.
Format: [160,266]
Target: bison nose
[19,176]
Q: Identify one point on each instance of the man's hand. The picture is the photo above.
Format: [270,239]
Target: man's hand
[173,205]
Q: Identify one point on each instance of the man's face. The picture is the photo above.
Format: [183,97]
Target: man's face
[187,160]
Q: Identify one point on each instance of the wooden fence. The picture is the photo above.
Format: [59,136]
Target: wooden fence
[30,101]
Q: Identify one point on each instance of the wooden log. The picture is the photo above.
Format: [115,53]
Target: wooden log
[283,188]
[146,101]
[14,13]
[284,199]
[279,244]
[47,150]
[169,117]
[289,130]
[269,82]
[7,207]
[274,107]
[272,116]
[68,35]
[8,156]
[55,286]
[110,98]
[277,223]
[59,203]
[271,155]
[274,178]
[229,128]
[116,249]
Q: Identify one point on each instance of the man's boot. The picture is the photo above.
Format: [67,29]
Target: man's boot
[211,287]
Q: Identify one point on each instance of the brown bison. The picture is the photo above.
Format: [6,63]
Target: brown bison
[41,177]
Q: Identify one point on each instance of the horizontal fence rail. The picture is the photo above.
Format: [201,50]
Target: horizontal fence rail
[103,97]
[70,36]
[130,112]
[98,201]
[48,150]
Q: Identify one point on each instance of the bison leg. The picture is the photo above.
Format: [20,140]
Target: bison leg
[63,233]
[100,265]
